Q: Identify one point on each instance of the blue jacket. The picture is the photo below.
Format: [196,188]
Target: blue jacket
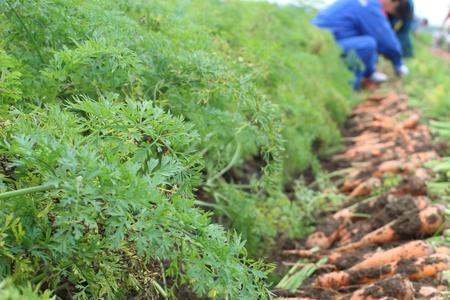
[352,18]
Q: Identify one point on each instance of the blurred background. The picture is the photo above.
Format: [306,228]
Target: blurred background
[433,10]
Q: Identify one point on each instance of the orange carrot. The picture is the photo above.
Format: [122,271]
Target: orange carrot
[350,184]
[442,250]
[365,188]
[303,253]
[404,290]
[428,291]
[411,122]
[327,234]
[428,222]
[411,249]
[376,98]
[392,166]
[418,269]
[406,139]
[430,266]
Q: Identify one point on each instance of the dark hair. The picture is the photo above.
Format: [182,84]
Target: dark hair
[405,10]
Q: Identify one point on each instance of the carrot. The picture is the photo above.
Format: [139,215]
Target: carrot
[412,224]
[345,278]
[411,122]
[303,253]
[411,185]
[344,237]
[417,269]
[376,98]
[418,159]
[387,211]
[365,137]
[392,166]
[406,139]
[422,174]
[430,266]
[299,298]
[365,188]
[385,123]
[421,202]
[367,149]
[396,287]
[411,249]
[427,291]
[350,184]
[328,232]
[443,250]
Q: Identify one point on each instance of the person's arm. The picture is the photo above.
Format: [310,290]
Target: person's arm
[374,23]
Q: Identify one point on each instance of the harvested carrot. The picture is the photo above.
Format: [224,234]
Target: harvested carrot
[303,253]
[328,232]
[367,149]
[428,291]
[388,210]
[299,298]
[429,266]
[393,166]
[350,184]
[365,188]
[375,98]
[415,269]
[422,174]
[411,122]
[416,160]
[396,287]
[412,224]
[442,250]
[406,139]
[409,250]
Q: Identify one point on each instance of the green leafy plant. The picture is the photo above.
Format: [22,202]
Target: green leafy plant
[298,274]
[128,116]
[10,292]
[115,204]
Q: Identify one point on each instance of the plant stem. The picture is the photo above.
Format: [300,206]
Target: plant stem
[161,291]
[21,192]
[233,161]
[27,31]
[206,204]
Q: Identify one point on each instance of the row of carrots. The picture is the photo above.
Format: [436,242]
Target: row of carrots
[374,248]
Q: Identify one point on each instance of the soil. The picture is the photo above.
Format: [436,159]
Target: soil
[348,260]
[396,206]
[359,276]
[408,226]
[252,167]
[393,287]
[412,185]
[407,266]
[330,226]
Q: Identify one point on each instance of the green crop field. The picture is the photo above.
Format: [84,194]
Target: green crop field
[156,149]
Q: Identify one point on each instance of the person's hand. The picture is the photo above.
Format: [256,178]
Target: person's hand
[402,71]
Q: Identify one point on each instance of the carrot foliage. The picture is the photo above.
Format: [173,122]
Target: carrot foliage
[130,129]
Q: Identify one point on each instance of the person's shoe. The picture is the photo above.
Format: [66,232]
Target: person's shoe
[379,77]
[402,71]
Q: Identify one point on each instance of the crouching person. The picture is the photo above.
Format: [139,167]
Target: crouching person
[362,26]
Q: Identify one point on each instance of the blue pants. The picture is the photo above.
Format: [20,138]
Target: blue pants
[365,48]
